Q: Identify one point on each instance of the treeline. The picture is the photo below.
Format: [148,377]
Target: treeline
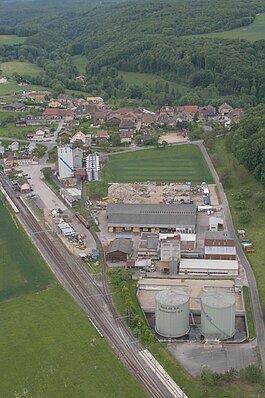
[248,142]
[144,37]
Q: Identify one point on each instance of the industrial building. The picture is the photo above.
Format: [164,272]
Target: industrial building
[120,249]
[151,217]
[187,241]
[148,245]
[218,245]
[170,248]
[71,196]
[93,167]
[204,267]
[172,313]
[65,161]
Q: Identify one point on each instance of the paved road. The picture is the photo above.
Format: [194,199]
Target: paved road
[254,295]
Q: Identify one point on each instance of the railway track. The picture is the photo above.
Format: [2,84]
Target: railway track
[94,299]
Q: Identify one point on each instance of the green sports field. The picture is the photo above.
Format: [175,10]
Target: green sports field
[22,270]
[179,163]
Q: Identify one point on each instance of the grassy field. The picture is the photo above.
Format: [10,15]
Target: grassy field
[180,163]
[50,349]
[252,32]
[255,229]
[80,61]
[19,274]
[142,78]
[11,39]
[22,68]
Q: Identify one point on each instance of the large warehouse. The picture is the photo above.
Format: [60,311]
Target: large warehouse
[151,218]
[208,267]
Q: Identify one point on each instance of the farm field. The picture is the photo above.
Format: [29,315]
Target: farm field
[22,270]
[50,349]
[11,39]
[252,32]
[12,87]
[180,163]
[22,68]
[143,78]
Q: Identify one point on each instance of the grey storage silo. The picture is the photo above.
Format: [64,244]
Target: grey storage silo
[218,313]
[172,313]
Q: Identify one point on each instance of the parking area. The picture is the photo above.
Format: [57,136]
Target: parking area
[194,356]
[45,197]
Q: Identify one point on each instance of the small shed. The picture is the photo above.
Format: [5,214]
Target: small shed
[23,185]
[120,249]
[216,224]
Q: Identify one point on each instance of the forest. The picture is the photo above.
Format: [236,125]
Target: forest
[144,36]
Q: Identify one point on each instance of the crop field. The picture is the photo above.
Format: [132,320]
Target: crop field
[252,32]
[22,68]
[11,39]
[180,163]
[22,270]
[142,78]
[50,349]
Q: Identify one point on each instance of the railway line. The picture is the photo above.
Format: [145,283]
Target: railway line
[95,301]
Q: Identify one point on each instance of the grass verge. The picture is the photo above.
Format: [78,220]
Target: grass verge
[251,327]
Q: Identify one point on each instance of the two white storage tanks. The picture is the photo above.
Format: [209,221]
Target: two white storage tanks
[218,315]
[172,313]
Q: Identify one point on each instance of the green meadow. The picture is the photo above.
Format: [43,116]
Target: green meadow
[48,346]
[179,163]
[22,68]
[22,269]
[252,32]
[11,39]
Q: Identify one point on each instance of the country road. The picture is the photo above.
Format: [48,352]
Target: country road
[253,290]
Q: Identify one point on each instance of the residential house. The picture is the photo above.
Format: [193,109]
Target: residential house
[38,96]
[184,117]
[25,160]
[52,114]
[127,125]
[126,137]
[224,110]
[114,119]
[207,112]
[41,134]
[23,185]
[8,161]
[2,149]
[3,79]
[85,110]
[14,146]
[36,120]
[101,135]
[64,99]
[100,115]
[31,147]
[95,100]
[15,107]
[148,119]
[79,136]
[235,115]
[67,114]
[54,104]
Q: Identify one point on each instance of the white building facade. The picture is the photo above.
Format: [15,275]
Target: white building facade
[65,161]
[93,167]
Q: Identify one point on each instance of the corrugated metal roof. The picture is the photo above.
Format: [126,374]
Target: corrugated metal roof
[208,264]
[121,245]
[223,250]
[151,215]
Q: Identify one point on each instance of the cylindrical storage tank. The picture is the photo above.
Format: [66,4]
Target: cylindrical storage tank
[172,313]
[218,314]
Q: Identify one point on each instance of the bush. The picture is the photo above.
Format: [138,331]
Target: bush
[251,374]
